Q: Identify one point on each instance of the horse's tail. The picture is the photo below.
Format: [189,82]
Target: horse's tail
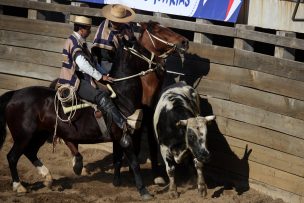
[4,99]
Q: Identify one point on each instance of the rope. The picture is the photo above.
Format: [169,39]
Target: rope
[71,97]
[142,73]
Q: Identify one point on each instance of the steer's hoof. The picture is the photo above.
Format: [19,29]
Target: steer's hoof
[159,181]
[146,197]
[202,191]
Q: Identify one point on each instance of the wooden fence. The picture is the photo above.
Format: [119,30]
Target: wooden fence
[258,99]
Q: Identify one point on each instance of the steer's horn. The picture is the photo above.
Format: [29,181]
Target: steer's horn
[182,123]
[210,118]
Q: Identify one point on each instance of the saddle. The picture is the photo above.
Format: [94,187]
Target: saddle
[134,120]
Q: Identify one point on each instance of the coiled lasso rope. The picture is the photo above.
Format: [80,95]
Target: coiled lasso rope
[71,98]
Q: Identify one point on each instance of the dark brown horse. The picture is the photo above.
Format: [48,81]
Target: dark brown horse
[30,115]
[154,45]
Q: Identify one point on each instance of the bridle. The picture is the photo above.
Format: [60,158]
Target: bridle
[150,61]
[166,54]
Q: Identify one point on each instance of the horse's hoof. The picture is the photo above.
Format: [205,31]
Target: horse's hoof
[146,197]
[159,181]
[19,188]
[77,165]
[116,181]
[48,181]
[48,184]
[173,194]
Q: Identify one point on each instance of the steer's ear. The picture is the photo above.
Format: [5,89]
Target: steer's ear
[210,118]
[182,123]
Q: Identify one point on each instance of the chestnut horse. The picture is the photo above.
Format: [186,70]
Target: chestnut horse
[30,113]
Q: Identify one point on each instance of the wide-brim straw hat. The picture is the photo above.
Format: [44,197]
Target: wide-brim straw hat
[118,13]
[82,20]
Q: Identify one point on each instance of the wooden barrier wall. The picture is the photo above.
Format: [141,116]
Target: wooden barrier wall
[258,99]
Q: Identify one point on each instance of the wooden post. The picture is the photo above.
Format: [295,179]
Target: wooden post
[241,43]
[202,38]
[282,52]
[32,14]
[71,17]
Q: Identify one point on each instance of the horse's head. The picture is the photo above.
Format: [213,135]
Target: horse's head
[160,40]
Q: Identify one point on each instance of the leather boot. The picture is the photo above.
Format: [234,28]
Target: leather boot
[104,103]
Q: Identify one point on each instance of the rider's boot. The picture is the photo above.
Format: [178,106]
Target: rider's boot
[104,103]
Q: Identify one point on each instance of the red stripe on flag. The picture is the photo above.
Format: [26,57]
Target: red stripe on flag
[229,6]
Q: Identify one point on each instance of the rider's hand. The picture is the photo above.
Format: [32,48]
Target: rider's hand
[106,78]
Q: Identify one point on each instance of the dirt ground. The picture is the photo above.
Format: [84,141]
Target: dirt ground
[95,184]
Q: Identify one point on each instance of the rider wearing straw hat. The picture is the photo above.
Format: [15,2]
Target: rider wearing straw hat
[79,69]
[114,27]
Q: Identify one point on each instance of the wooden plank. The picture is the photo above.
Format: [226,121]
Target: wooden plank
[261,136]
[269,64]
[179,24]
[291,42]
[191,26]
[285,52]
[27,40]
[260,172]
[216,54]
[240,43]
[259,117]
[252,78]
[2,91]
[268,157]
[31,56]
[276,193]
[252,97]
[40,27]
[61,8]
[16,82]
[218,89]
[268,101]
[30,70]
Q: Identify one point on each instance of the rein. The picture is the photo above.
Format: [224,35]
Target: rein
[142,73]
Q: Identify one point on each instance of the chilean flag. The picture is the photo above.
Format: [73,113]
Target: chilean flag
[223,10]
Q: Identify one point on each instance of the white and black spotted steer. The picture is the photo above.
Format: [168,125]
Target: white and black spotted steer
[181,130]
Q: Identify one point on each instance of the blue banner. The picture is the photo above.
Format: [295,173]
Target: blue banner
[222,10]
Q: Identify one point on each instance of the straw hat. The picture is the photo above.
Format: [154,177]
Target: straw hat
[82,20]
[118,13]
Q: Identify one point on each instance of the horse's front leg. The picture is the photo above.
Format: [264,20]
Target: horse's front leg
[201,185]
[133,162]
[77,157]
[117,162]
